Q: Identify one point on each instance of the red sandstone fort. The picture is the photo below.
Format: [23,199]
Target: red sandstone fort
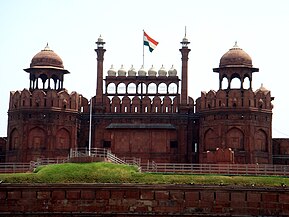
[146,114]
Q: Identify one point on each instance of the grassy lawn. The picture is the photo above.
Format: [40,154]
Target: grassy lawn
[113,173]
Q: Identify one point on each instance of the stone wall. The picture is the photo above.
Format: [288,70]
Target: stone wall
[141,200]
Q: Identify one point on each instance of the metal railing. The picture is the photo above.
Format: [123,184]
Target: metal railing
[226,169]
[15,167]
[96,152]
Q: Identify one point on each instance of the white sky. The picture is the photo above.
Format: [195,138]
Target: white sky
[71,28]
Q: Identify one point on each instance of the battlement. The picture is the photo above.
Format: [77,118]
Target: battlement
[45,99]
[235,98]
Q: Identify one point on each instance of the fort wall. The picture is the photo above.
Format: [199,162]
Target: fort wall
[141,200]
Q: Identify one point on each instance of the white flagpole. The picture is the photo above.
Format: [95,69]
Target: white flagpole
[90,119]
[143,48]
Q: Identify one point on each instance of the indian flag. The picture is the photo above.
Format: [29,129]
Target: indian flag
[148,41]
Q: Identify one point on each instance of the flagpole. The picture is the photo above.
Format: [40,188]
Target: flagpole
[90,120]
[143,48]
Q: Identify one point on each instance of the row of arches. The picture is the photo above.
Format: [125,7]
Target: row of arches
[142,88]
[39,98]
[235,83]
[234,99]
[48,82]
[38,139]
[235,140]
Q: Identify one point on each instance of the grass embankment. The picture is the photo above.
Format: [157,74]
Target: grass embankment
[113,173]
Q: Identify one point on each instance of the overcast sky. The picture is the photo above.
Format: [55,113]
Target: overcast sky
[71,28]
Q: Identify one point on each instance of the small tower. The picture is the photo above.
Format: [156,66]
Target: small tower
[235,122]
[99,84]
[185,57]
[43,122]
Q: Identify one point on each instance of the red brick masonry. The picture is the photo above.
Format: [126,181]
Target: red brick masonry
[59,200]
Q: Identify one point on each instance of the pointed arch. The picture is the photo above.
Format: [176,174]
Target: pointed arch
[36,138]
[211,140]
[235,139]
[146,104]
[125,104]
[261,141]
[14,139]
[63,139]
[156,105]
[135,105]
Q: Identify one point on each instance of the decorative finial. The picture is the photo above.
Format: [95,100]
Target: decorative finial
[185,31]
[47,47]
[236,44]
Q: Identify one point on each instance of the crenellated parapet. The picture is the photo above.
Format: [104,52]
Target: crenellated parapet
[235,99]
[51,99]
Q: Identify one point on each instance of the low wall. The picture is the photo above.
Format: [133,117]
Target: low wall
[60,200]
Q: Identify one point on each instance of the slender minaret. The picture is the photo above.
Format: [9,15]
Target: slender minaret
[99,84]
[185,56]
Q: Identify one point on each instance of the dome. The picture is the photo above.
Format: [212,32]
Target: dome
[132,71]
[46,58]
[152,71]
[111,71]
[162,71]
[235,57]
[142,71]
[121,71]
[172,71]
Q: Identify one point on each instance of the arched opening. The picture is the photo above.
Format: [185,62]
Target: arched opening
[152,88]
[235,83]
[173,88]
[162,88]
[121,88]
[131,88]
[246,83]
[111,88]
[225,83]
[44,78]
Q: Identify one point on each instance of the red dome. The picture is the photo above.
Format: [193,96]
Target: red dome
[46,57]
[235,57]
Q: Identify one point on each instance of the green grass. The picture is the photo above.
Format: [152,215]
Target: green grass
[113,173]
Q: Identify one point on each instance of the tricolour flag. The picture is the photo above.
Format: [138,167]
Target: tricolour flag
[148,41]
